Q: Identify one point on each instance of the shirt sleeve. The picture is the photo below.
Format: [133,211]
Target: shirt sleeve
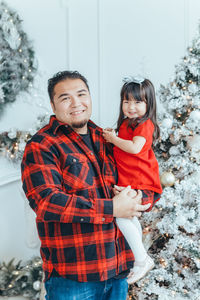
[42,184]
[145,130]
[150,197]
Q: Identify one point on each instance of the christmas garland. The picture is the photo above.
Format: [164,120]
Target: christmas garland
[17,279]
[13,142]
[17,62]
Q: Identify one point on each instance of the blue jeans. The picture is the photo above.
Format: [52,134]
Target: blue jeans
[58,288]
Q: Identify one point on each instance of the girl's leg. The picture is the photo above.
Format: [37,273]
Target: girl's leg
[137,224]
[143,262]
[133,237]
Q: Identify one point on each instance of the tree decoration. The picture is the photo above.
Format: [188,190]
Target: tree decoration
[13,142]
[174,221]
[21,279]
[167,179]
[17,62]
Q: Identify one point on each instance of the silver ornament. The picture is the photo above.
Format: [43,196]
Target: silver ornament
[167,179]
[37,285]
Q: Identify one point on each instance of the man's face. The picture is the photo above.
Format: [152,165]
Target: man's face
[72,104]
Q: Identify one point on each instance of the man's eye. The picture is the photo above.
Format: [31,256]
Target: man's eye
[66,98]
[80,95]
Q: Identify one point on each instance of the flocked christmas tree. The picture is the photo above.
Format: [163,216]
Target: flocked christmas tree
[174,224]
[17,64]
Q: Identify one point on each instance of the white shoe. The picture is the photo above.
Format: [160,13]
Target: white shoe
[141,269]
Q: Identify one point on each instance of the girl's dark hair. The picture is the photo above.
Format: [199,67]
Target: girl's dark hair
[141,92]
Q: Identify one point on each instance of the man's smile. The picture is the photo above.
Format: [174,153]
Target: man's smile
[78,112]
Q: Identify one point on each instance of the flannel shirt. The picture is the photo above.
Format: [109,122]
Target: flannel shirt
[79,237]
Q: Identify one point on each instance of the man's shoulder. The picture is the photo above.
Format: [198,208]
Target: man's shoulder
[92,125]
[43,134]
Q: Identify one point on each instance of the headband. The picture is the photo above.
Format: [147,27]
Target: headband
[136,79]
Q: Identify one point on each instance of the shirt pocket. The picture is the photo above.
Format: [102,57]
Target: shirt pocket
[76,173]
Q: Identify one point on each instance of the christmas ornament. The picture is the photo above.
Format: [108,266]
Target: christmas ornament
[37,285]
[167,123]
[193,143]
[195,115]
[193,87]
[174,151]
[167,179]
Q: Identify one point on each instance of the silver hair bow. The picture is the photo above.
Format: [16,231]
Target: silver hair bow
[137,79]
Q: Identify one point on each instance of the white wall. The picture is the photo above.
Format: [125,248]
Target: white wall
[105,40]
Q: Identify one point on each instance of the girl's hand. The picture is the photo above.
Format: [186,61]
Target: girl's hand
[109,134]
[117,189]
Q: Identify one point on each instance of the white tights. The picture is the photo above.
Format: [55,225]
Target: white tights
[132,231]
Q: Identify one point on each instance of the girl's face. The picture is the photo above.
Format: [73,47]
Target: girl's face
[133,108]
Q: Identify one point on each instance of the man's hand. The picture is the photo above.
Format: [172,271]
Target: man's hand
[128,205]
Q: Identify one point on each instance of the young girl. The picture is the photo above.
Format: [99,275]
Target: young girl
[136,163]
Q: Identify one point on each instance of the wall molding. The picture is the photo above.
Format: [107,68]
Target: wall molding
[66,4]
[99,53]
[186,24]
[10,178]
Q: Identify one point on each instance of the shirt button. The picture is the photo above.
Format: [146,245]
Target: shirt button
[77,137]
[103,219]
[74,160]
[91,153]
[82,219]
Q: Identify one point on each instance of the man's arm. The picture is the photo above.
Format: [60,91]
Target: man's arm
[43,186]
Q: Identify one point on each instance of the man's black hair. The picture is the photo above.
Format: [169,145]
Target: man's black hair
[60,76]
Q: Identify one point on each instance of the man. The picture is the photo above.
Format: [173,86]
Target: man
[68,173]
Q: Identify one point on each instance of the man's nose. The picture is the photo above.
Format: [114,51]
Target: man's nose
[75,101]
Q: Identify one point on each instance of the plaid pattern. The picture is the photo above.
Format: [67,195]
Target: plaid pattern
[150,197]
[79,237]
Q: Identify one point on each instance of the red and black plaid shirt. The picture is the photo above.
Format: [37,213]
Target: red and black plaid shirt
[79,237]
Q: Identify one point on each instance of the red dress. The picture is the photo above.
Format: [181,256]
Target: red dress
[141,170]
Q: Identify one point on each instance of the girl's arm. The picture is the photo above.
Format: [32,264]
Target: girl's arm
[133,146]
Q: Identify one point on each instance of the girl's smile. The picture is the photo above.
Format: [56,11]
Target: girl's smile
[133,108]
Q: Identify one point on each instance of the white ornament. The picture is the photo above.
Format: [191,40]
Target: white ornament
[12,133]
[181,220]
[22,146]
[167,123]
[167,179]
[192,88]
[194,143]
[37,285]
[195,115]
[174,151]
